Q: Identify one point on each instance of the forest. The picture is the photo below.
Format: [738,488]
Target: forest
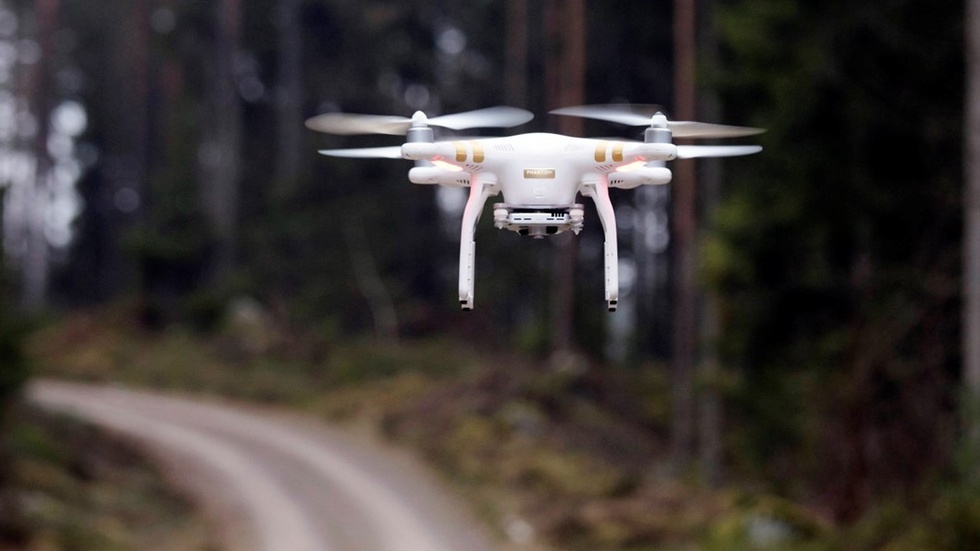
[806,310]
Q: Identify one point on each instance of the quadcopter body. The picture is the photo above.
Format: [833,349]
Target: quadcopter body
[539,175]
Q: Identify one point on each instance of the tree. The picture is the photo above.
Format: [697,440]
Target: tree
[14,371]
[221,167]
[13,375]
[971,236]
[565,32]
[685,235]
[515,63]
[35,262]
[289,95]
[113,60]
[710,374]
[836,264]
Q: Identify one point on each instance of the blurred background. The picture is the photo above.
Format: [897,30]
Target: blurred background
[794,317]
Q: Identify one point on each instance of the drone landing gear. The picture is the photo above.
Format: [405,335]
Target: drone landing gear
[467,270]
[480,191]
[599,192]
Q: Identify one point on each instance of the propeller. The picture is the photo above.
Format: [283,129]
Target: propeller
[683,151]
[648,115]
[695,151]
[348,123]
[630,114]
[391,152]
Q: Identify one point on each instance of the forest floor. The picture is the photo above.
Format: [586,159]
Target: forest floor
[82,489]
[562,453]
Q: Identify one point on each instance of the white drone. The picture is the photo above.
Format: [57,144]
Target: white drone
[539,174]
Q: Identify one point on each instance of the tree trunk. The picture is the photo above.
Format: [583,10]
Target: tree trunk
[516,62]
[127,143]
[222,158]
[971,238]
[565,85]
[710,406]
[685,328]
[35,264]
[289,98]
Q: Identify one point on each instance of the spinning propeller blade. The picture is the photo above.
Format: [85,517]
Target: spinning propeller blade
[491,117]
[690,129]
[694,151]
[392,152]
[629,114]
[348,123]
[643,115]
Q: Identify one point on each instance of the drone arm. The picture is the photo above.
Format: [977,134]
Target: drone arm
[426,151]
[649,152]
[433,175]
[482,187]
[639,176]
[598,189]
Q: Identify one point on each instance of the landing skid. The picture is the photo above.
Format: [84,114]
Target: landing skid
[537,222]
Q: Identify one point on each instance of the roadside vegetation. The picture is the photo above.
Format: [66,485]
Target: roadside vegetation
[78,488]
[65,485]
[560,454]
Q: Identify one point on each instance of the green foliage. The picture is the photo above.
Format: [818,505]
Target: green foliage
[835,253]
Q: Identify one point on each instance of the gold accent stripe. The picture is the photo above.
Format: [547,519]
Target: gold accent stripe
[478,156]
[617,154]
[460,152]
[600,152]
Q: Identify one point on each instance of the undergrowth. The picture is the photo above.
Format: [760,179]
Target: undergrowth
[79,489]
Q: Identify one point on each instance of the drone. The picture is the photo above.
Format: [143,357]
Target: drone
[539,174]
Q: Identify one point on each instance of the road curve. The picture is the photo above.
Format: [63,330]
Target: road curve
[275,482]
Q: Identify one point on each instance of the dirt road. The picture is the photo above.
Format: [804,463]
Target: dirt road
[274,482]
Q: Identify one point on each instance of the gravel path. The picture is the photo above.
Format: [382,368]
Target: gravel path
[278,482]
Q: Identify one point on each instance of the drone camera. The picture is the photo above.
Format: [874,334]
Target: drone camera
[538,222]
